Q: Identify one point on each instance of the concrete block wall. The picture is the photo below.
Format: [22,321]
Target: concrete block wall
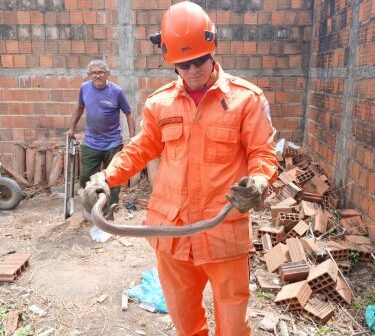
[340,121]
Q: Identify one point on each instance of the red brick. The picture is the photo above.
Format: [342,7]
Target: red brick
[89,17]
[36,17]
[50,18]
[250,18]
[278,18]
[12,47]
[84,4]
[76,17]
[236,47]
[110,4]
[24,47]
[78,47]
[10,18]
[99,32]
[46,61]
[70,4]
[249,47]
[23,17]
[20,61]
[223,17]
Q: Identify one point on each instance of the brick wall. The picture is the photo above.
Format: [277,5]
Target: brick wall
[316,75]
[340,128]
[263,41]
[45,47]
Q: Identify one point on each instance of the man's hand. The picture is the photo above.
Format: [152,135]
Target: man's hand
[248,193]
[94,187]
[70,133]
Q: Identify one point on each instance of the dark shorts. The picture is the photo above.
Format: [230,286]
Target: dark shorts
[94,161]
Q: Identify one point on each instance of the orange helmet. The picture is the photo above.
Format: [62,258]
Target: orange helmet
[186,33]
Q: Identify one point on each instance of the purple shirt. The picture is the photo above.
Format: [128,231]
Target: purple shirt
[103,129]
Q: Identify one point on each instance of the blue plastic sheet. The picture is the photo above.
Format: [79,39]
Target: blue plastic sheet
[370,317]
[149,291]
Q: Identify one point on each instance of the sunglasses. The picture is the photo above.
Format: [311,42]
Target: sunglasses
[98,73]
[196,61]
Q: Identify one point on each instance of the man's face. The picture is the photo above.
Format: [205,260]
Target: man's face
[196,72]
[99,76]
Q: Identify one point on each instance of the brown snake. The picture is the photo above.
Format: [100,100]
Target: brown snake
[148,231]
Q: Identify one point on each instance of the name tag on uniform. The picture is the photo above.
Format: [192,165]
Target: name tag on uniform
[171,120]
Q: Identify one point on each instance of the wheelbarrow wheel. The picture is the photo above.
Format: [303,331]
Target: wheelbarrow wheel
[10,193]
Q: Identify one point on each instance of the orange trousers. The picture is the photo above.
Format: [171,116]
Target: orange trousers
[183,284]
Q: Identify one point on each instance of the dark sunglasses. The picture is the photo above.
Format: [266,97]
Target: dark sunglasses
[196,61]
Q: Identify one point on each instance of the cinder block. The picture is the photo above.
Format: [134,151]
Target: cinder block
[294,295]
[323,275]
[294,271]
[319,311]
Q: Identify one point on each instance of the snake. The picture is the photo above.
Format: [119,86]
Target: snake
[102,223]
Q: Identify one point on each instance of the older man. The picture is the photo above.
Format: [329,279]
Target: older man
[102,101]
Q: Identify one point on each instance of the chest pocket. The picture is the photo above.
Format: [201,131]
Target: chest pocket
[172,136]
[221,144]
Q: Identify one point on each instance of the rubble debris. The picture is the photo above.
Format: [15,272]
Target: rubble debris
[294,271]
[354,225]
[294,295]
[124,300]
[12,322]
[276,257]
[319,311]
[298,230]
[295,248]
[269,322]
[269,284]
[276,234]
[37,310]
[287,220]
[303,204]
[340,292]
[322,275]
[338,250]
[320,222]
[266,242]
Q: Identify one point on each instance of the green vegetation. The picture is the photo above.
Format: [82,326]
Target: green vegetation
[353,257]
[323,330]
[360,304]
[263,295]
[22,331]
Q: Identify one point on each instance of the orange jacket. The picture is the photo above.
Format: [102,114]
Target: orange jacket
[204,150]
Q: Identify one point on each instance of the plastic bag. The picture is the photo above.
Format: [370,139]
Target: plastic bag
[99,235]
[149,291]
[370,317]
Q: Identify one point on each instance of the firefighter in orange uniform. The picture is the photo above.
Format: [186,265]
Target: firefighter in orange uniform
[211,129]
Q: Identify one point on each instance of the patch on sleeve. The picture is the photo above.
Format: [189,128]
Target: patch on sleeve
[266,109]
[171,120]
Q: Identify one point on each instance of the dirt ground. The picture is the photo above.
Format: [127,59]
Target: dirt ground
[78,283]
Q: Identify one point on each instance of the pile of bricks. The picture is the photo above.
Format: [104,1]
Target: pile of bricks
[309,242]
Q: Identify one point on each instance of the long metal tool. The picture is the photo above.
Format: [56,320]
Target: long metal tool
[70,152]
[149,230]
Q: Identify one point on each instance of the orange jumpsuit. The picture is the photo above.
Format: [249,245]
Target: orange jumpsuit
[204,150]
